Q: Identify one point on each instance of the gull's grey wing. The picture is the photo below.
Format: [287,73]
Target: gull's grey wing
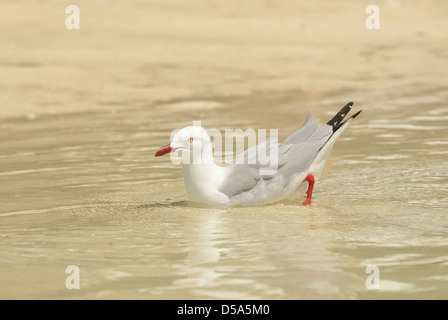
[307,129]
[241,178]
[294,155]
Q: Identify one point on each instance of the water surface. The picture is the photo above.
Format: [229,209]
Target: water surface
[82,113]
[85,189]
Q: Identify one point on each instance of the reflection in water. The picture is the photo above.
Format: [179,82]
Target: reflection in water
[198,268]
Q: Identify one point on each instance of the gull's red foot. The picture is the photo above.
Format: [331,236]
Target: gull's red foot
[309,193]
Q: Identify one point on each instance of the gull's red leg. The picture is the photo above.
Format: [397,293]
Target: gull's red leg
[309,193]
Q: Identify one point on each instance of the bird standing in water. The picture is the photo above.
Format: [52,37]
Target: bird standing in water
[300,159]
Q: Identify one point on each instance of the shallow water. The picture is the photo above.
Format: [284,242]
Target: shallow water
[83,112]
[85,190]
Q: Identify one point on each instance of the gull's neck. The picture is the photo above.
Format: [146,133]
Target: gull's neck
[203,178]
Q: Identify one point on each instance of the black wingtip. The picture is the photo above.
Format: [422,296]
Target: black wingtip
[337,119]
[352,117]
[355,115]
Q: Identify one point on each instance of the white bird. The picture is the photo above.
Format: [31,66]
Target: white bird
[300,159]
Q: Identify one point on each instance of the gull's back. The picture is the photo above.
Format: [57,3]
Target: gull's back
[305,151]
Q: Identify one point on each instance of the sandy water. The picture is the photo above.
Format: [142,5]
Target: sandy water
[85,190]
[83,114]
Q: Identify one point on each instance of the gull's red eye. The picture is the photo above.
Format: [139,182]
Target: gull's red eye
[190,140]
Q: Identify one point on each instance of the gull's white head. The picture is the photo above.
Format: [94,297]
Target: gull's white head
[193,141]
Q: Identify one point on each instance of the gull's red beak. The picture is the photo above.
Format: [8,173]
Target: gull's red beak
[164,150]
